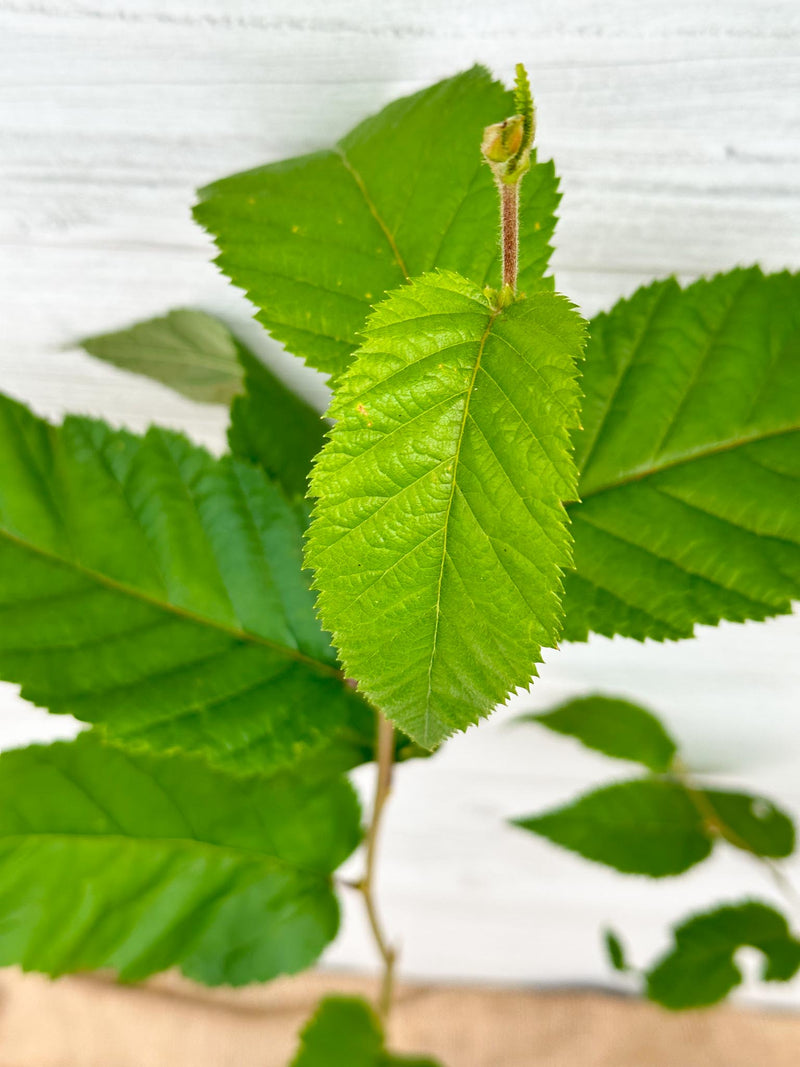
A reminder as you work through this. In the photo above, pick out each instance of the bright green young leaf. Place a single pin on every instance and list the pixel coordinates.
(751, 823)
(148, 587)
(138, 863)
(689, 459)
(317, 240)
(700, 970)
(272, 426)
(438, 535)
(187, 350)
(645, 826)
(614, 727)
(344, 1032)
(615, 952)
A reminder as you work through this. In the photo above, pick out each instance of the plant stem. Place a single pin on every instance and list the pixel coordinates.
(509, 215)
(383, 784)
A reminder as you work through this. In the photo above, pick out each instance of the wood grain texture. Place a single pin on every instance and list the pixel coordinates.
(675, 128)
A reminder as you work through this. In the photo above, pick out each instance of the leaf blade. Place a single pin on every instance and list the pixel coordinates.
(700, 970)
(111, 859)
(183, 618)
(689, 459)
(613, 726)
(344, 1032)
(339, 228)
(438, 500)
(643, 826)
(188, 350)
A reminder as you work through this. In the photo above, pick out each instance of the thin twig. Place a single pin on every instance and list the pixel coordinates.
(383, 785)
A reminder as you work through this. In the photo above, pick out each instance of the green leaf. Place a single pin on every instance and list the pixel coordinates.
(344, 1032)
(187, 350)
(751, 823)
(645, 826)
(700, 969)
(148, 587)
(317, 240)
(689, 459)
(615, 952)
(614, 727)
(138, 863)
(438, 535)
(273, 427)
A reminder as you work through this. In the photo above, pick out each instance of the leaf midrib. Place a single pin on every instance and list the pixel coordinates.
(186, 843)
(351, 170)
(457, 454)
(639, 475)
(180, 612)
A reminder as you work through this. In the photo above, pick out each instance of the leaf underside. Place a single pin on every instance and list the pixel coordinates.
(150, 588)
(191, 352)
(612, 726)
(438, 535)
(700, 970)
(138, 863)
(689, 459)
(344, 1032)
(316, 241)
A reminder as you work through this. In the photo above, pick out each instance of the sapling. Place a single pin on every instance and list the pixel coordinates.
(478, 492)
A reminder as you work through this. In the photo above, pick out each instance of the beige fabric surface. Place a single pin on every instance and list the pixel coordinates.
(90, 1022)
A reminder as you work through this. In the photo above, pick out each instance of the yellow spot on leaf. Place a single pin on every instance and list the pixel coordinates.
(537, 226)
(295, 229)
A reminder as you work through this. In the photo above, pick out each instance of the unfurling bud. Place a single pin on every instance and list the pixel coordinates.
(506, 146)
(503, 140)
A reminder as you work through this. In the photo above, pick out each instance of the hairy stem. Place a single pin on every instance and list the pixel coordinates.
(383, 784)
(509, 216)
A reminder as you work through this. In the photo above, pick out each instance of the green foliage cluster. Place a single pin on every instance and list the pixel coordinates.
(495, 475)
(661, 825)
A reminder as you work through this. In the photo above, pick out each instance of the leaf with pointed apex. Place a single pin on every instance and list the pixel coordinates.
(612, 726)
(317, 240)
(137, 863)
(689, 459)
(751, 823)
(645, 826)
(345, 1032)
(438, 534)
(150, 588)
(700, 969)
(189, 351)
(275, 428)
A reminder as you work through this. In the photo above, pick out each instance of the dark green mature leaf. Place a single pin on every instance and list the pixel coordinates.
(344, 1032)
(645, 826)
(138, 863)
(750, 822)
(438, 535)
(146, 586)
(198, 356)
(689, 459)
(272, 426)
(316, 241)
(612, 726)
(615, 952)
(187, 350)
(700, 969)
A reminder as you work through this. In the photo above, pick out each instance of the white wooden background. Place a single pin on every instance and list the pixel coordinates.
(675, 129)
